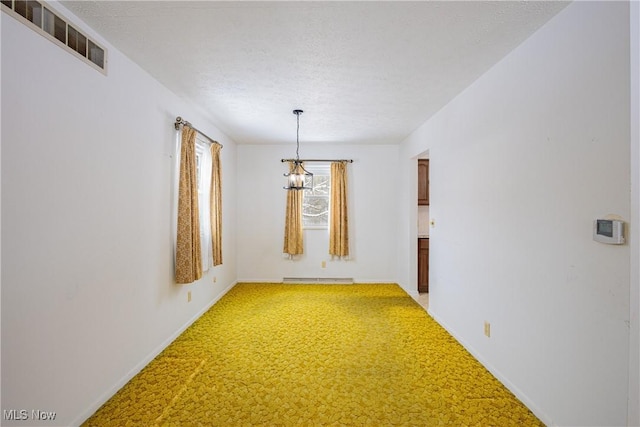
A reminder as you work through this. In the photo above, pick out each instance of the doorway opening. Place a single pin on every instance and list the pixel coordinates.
(423, 215)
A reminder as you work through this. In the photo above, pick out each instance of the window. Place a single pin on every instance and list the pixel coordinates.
(315, 202)
(196, 179)
(203, 177)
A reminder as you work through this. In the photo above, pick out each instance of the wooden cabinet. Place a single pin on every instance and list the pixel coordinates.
(423, 181)
(423, 265)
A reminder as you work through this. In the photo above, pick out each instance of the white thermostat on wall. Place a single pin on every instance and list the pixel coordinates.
(609, 231)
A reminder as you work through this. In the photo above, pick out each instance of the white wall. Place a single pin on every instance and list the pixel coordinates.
(521, 163)
(372, 198)
(88, 295)
(634, 238)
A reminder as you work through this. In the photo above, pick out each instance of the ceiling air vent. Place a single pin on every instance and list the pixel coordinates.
(47, 22)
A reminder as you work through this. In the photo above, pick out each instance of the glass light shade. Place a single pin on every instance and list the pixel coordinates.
(296, 179)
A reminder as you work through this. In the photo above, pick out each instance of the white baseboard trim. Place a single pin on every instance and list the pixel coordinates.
(319, 280)
(548, 421)
(138, 367)
(356, 281)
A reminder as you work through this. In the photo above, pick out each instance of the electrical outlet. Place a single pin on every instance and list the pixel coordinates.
(324, 264)
(188, 296)
(487, 328)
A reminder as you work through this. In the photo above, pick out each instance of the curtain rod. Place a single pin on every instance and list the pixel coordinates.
(318, 160)
(181, 121)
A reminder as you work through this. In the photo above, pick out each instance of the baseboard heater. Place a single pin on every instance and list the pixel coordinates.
(319, 280)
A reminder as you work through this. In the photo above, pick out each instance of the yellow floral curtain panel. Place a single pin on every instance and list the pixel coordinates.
(188, 256)
(339, 221)
(293, 244)
(216, 204)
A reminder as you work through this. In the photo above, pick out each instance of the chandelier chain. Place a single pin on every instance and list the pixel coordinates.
(297, 137)
(298, 174)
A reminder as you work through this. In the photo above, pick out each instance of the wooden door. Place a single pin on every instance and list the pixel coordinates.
(423, 181)
(423, 265)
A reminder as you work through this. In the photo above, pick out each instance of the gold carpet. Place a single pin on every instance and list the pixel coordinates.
(314, 355)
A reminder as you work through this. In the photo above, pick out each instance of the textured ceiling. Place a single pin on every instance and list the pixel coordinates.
(363, 72)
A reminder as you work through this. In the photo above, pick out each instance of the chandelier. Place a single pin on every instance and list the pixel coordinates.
(297, 176)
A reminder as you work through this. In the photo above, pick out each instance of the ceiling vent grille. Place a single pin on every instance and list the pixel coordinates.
(47, 22)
